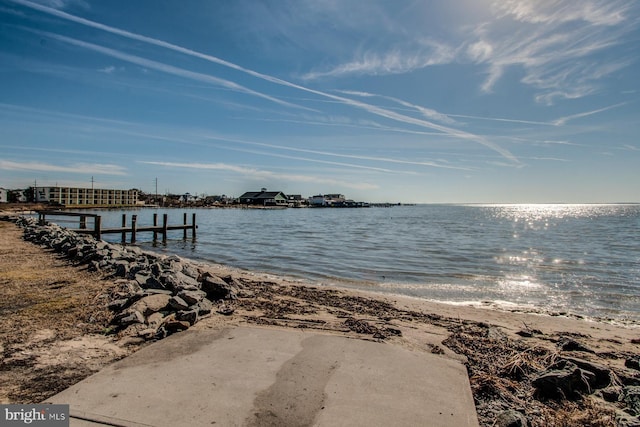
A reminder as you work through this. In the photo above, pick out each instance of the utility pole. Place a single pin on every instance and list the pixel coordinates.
(155, 199)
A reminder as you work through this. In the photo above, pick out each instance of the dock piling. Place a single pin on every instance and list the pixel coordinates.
(164, 228)
(184, 222)
(97, 227)
(124, 226)
(155, 224)
(134, 220)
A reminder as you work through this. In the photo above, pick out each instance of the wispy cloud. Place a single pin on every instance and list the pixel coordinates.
(194, 137)
(315, 160)
(166, 68)
(348, 156)
(318, 121)
(107, 70)
(84, 168)
(564, 120)
(557, 122)
(372, 109)
(555, 43)
(64, 4)
(11, 11)
(498, 119)
(265, 174)
(553, 159)
(428, 113)
(560, 46)
(398, 60)
(593, 12)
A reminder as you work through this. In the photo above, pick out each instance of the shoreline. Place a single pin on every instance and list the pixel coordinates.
(547, 297)
(374, 290)
(497, 305)
(454, 331)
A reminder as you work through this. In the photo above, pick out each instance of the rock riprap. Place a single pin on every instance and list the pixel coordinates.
(153, 295)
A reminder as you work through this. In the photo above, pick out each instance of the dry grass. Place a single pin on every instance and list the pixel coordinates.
(42, 292)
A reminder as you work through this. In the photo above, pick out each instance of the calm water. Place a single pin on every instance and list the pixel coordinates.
(582, 259)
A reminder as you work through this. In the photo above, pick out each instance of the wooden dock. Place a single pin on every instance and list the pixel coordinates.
(97, 231)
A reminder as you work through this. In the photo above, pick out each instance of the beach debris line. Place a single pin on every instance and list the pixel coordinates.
(570, 385)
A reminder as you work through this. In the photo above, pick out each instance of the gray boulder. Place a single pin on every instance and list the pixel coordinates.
(216, 288)
(151, 304)
(190, 316)
(177, 281)
(204, 307)
(563, 380)
(178, 303)
(192, 297)
(128, 317)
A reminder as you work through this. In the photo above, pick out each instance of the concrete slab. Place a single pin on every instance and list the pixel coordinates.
(268, 377)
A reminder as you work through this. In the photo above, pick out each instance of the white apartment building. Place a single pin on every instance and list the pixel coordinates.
(73, 196)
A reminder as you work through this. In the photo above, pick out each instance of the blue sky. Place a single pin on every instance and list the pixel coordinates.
(511, 101)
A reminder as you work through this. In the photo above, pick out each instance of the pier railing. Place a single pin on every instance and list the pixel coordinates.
(97, 231)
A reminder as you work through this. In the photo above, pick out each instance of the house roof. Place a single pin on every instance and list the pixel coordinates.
(261, 194)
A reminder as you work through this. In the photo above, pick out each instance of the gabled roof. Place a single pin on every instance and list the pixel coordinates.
(250, 195)
(261, 194)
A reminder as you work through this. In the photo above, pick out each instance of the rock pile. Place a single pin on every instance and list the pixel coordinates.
(153, 295)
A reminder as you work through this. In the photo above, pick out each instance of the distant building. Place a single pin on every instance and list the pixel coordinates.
(296, 200)
(264, 198)
(187, 198)
(318, 200)
(73, 196)
(326, 200)
(335, 198)
(4, 195)
(20, 196)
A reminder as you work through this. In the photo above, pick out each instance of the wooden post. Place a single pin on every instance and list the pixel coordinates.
(41, 218)
(184, 223)
(134, 219)
(164, 228)
(193, 230)
(155, 224)
(97, 227)
(124, 226)
(83, 222)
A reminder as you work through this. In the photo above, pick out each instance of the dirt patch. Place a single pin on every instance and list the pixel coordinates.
(52, 321)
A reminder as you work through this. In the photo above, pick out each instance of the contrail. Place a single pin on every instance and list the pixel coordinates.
(357, 104)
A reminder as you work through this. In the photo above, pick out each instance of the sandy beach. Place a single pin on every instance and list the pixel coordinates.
(55, 331)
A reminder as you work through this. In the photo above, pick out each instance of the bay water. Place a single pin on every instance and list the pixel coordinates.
(573, 259)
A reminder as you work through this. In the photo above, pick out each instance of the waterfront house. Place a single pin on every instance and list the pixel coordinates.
(335, 198)
(317, 201)
(296, 201)
(326, 200)
(264, 198)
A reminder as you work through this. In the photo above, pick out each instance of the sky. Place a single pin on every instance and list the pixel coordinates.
(463, 101)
